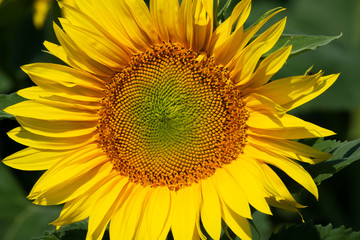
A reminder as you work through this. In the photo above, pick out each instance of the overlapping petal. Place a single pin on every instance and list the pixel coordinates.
(246, 170)
(156, 215)
(287, 127)
(185, 212)
(32, 159)
(292, 92)
(293, 169)
(211, 209)
(104, 208)
(52, 111)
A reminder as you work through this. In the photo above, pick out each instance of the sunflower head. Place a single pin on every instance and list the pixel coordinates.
(171, 118)
(159, 122)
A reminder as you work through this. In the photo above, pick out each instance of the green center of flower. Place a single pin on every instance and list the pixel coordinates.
(171, 118)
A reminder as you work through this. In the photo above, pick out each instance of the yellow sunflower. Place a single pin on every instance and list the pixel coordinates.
(41, 9)
(159, 122)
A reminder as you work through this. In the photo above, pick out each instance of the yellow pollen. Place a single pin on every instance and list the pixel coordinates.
(171, 118)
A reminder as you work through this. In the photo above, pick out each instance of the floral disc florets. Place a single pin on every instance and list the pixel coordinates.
(171, 118)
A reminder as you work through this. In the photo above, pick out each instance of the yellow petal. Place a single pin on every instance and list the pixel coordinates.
(62, 102)
(231, 194)
(79, 208)
(210, 209)
(164, 14)
(118, 218)
(50, 111)
(77, 157)
(57, 186)
(238, 224)
(278, 194)
(291, 149)
(168, 223)
(133, 212)
(41, 8)
(239, 15)
(29, 139)
(80, 18)
(78, 58)
(59, 52)
(225, 42)
(140, 13)
(290, 167)
(262, 104)
(72, 186)
(250, 32)
(32, 159)
(185, 212)
(156, 214)
(268, 67)
(59, 129)
(271, 35)
(67, 77)
(39, 93)
(248, 176)
(90, 20)
(186, 23)
(292, 92)
(256, 49)
(287, 126)
(75, 210)
(103, 209)
(105, 13)
(97, 47)
(208, 6)
(203, 24)
(242, 66)
(120, 14)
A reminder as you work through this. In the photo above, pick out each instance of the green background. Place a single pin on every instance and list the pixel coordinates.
(337, 109)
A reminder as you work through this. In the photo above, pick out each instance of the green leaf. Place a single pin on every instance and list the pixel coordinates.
(315, 232)
(73, 231)
(19, 218)
(343, 154)
(6, 83)
(220, 16)
(8, 100)
(301, 43)
(261, 226)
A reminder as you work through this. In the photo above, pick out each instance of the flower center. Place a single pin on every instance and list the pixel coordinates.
(171, 118)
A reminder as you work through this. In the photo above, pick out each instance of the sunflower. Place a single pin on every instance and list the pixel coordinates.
(41, 9)
(158, 122)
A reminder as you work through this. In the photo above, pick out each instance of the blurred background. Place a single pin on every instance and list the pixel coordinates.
(26, 24)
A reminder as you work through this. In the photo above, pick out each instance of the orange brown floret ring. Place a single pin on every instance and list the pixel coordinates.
(171, 118)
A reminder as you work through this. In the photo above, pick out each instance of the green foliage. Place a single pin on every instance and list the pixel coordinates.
(315, 232)
(343, 154)
(8, 100)
(305, 231)
(221, 15)
(5, 81)
(75, 231)
(19, 219)
(301, 43)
